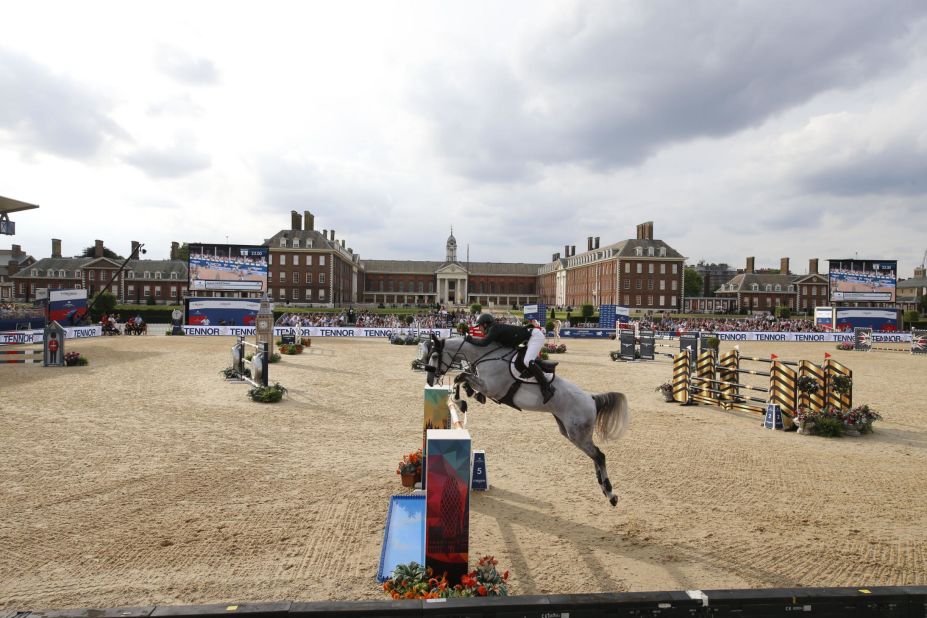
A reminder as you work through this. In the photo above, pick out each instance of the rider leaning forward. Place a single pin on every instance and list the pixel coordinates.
(513, 335)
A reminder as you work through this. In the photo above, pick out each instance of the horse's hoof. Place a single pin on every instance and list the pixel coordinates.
(614, 500)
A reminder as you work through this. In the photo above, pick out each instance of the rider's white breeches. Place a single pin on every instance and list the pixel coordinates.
(535, 343)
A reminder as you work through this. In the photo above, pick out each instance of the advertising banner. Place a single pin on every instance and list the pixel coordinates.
(25, 337)
(313, 331)
(221, 311)
(66, 306)
(228, 267)
(813, 337)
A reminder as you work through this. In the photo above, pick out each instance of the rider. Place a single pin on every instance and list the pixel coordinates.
(512, 335)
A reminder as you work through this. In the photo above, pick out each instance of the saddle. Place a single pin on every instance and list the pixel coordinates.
(518, 362)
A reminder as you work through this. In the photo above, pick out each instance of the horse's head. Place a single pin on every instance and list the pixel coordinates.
(440, 354)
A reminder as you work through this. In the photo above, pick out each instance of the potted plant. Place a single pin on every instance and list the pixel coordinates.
(74, 359)
(843, 384)
(808, 385)
(666, 389)
(410, 468)
(860, 419)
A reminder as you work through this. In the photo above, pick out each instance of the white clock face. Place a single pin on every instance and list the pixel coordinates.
(262, 323)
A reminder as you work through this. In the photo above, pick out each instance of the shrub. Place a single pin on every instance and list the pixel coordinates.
(291, 348)
(229, 373)
(476, 308)
(268, 394)
(588, 311)
(828, 427)
(713, 343)
(74, 359)
(846, 345)
(413, 581)
(273, 358)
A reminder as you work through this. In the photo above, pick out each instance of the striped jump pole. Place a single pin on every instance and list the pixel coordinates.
(783, 390)
(833, 371)
(20, 352)
(28, 361)
(812, 401)
(682, 383)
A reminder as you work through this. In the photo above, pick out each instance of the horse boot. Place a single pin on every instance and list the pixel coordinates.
(547, 391)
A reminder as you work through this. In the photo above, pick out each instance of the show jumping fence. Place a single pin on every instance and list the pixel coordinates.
(20, 338)
(257, 366)
(716, 381)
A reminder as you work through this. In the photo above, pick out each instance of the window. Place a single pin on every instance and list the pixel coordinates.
(662, 287)
(650, 253)
(281, 294)
(283, 260)
(650, 268)
(174, 276)
(282, 276)
(672, 301)
(158, 291)
(322, 281)
(322, 294)
(627, 267)
(158, 274)
(663, 301)
(130, 289)
(650, 301)
(769, 302)
(147, 292)
(627, 299)
(639, 251)
(675, 269)
(321, 260)
(77, 273)
(755, 287)
(147, 275)
(103, 274)
(662, 251)
(295, 277)
(421, 287)
(639, 284)
(308, 278)
(637, 300)
(640, 268)
(62, 274)
(662, 269)
(768, 287)
(173, 292)
(296, 257)
(295, 244)
(294, 293)
(130, 274)
(791, 288)
(91, 274)
(675, 284)
(627, 284)
(778, 287)
(283, 242)
(650, 284)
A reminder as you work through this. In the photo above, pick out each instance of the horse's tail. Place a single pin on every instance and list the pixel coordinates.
(611, 415)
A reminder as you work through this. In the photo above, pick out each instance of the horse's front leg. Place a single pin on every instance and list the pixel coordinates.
(472, 384)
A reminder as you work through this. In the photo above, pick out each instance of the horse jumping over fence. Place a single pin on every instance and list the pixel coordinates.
(579, 414)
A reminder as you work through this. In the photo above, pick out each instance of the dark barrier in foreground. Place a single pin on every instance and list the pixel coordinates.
(901, 602)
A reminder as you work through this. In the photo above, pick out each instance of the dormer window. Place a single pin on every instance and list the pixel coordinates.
(77, 273)
(296, 243)
(791, 288)
(35, 272)
(308, 244)
(147, 275)
(130, 274)
(158, 275)
(283, 242)
(662, 251)
(62, 274)
(769, 287)
(639, 251)
(778, 288)
(755, 287)
(173, 275)
(650, 251)
(51, 273)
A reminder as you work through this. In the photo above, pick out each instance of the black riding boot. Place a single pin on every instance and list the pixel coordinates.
(546, 389)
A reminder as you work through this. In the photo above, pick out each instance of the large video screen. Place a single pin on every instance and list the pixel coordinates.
(872, 280)
(228, 267)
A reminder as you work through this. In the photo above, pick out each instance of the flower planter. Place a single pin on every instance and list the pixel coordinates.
(408, 480)
(668, 397)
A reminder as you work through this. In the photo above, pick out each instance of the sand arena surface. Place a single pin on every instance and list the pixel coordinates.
(145, 479)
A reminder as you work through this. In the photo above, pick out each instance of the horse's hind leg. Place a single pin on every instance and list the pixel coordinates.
(581, 436)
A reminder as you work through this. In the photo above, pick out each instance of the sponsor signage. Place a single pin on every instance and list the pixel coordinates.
(21, 337)
(587, 333)
(312, 331)
(812, 337)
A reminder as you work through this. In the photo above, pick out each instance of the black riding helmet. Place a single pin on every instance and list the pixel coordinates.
(485, 321)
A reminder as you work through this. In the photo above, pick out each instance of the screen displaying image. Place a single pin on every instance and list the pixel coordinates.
(228, 267)
(872, 280)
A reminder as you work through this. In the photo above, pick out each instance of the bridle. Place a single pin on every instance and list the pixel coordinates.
(437, 373)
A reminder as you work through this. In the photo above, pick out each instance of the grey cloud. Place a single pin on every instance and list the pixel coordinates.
(47, 112)
(610, 84)
(178, 160)
(186, 68)
(330, 194)
(895, 171)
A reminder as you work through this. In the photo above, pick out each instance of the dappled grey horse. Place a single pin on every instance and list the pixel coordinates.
(578, 413)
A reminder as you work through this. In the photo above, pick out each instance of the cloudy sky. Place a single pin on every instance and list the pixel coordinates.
(768, 129)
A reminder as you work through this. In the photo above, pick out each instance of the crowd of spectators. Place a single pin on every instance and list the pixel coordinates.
(732, 324)
(17, 310)
(364, 319)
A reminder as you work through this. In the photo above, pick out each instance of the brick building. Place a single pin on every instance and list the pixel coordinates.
(143, 281)
(11, 262)
(763, 291)
(641, 273)
(309, 267)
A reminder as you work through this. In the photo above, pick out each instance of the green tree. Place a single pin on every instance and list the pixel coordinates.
(103, 302)
(910, 316)
(588, 311)
(783, 312)
(922, 305)
(692, 283)
(475, 308)
(183, 252)
(89, 251)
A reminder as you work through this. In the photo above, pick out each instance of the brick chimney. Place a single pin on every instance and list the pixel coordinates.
(175, 250)
(784, 266)
(589, 243)
(333, 235)
(648, 230)
(342, 243)
(749, 268)
(706, 281)
(98, 249)
(56, 248)
(572, 250)
(555, 257)
(596, 243)
(813, 266)
(135, 245)
(17, 250)
(296, 220)
(566, 251)
(308, 221)
(640, 231)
